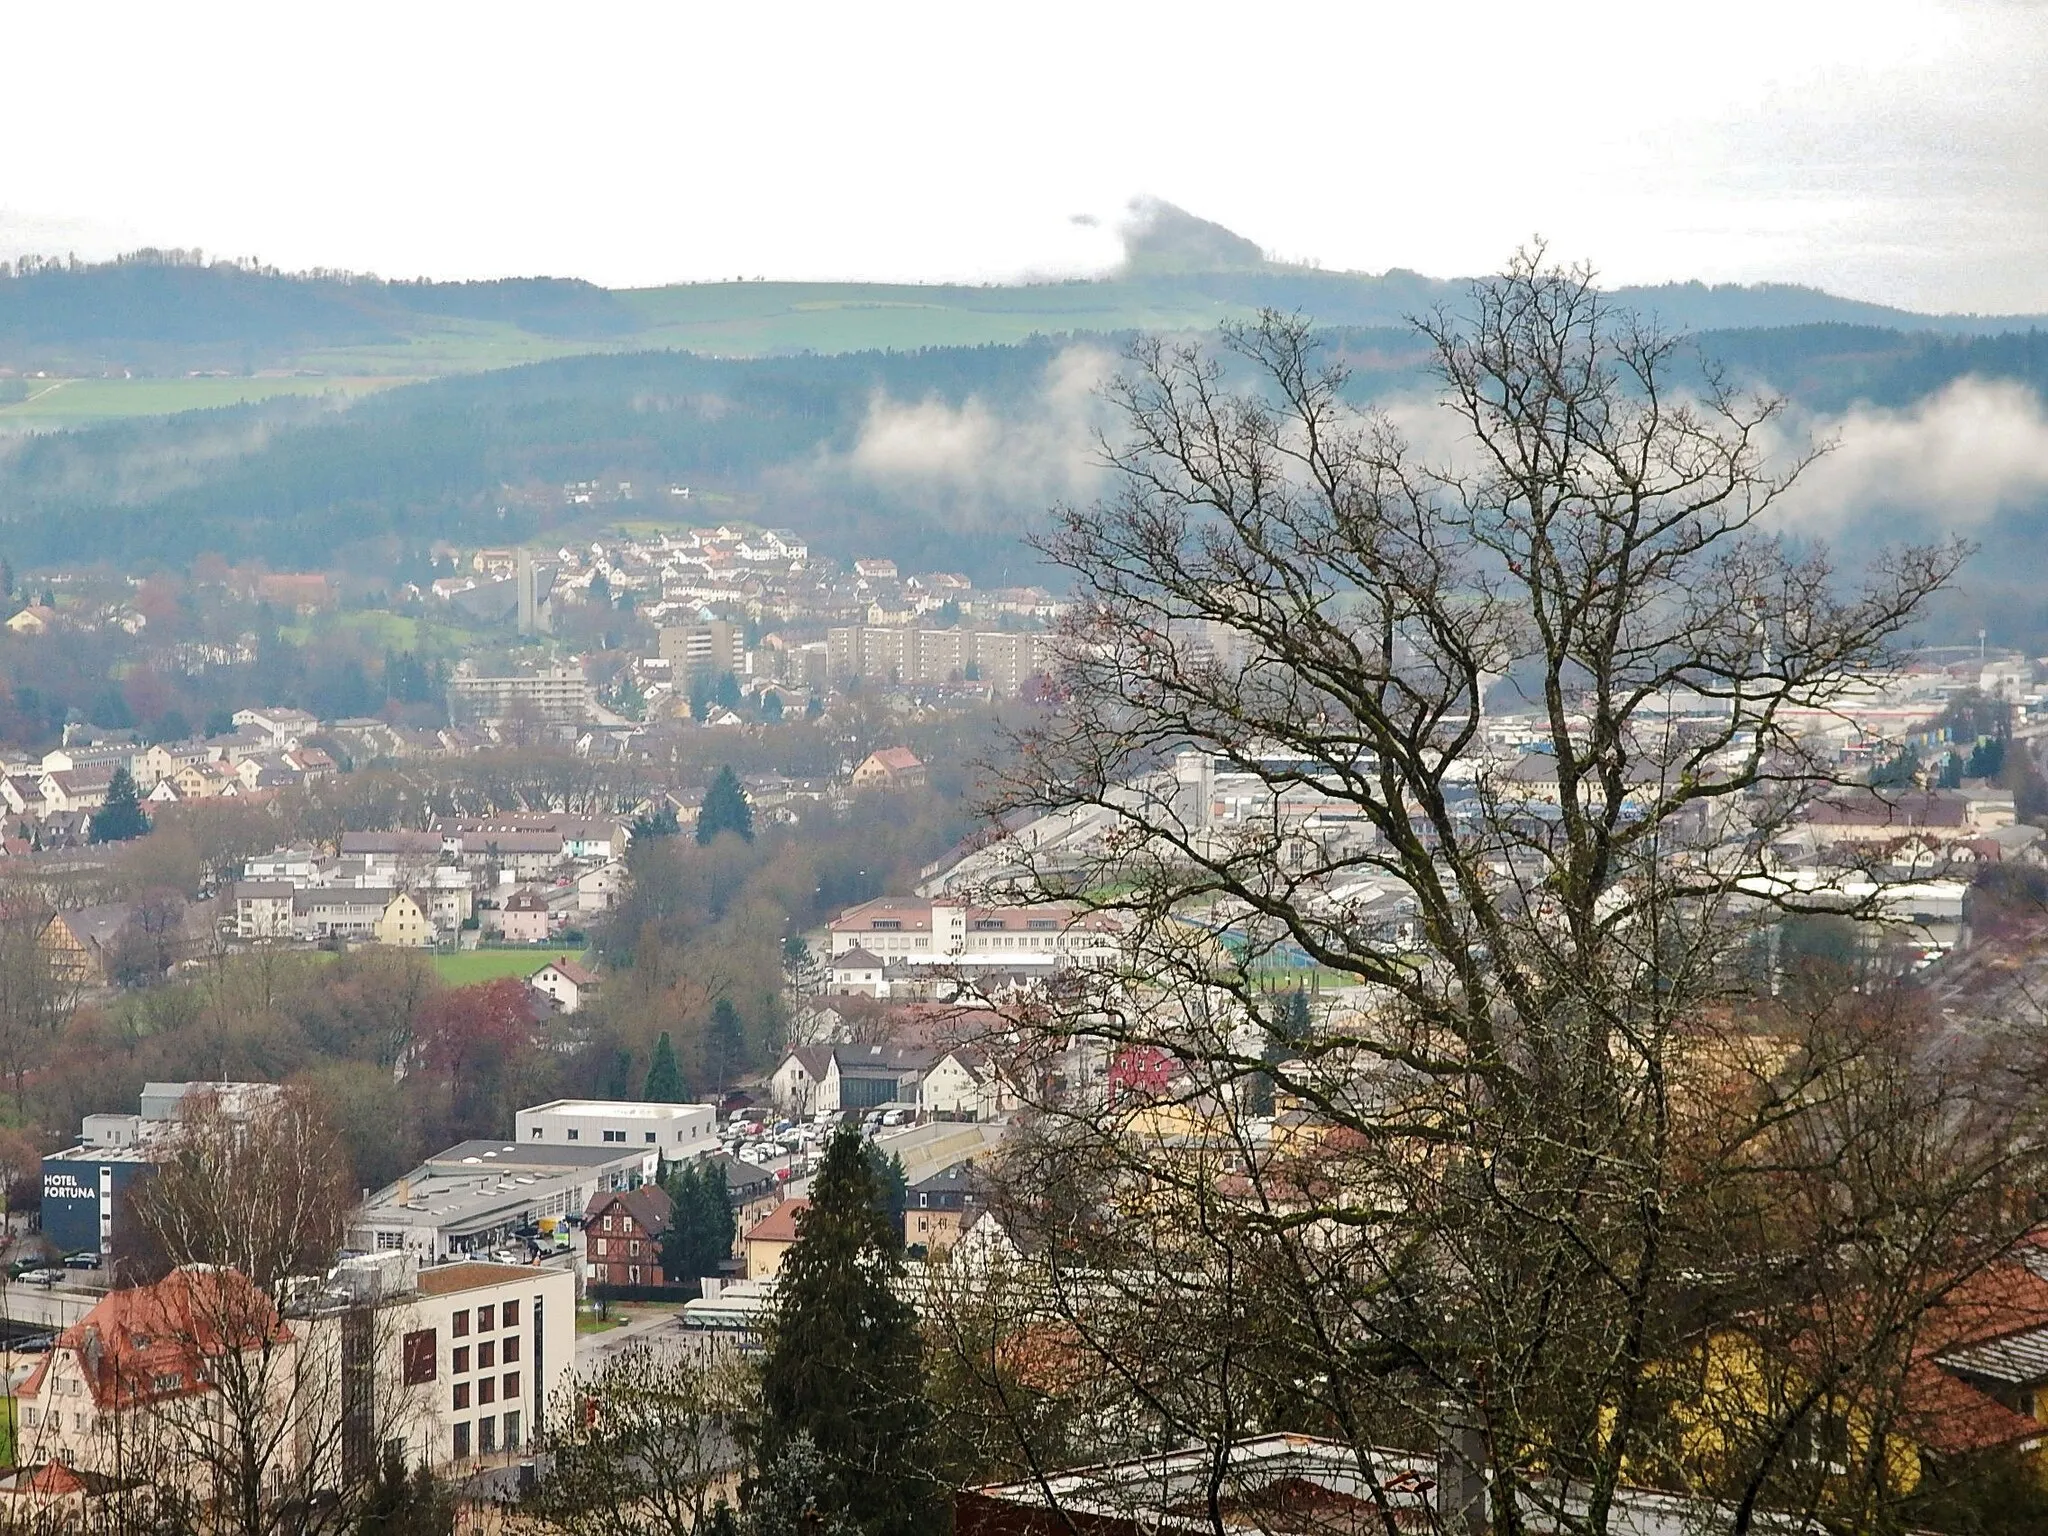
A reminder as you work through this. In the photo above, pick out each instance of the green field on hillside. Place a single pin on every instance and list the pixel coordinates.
(474, 965)
(78, 402)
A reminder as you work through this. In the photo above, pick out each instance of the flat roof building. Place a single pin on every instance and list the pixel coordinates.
(676, 1130)
(478, 1194)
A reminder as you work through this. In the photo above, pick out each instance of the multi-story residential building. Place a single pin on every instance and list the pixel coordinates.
(711, 645)
(442, 1365)
(1002, 659)
(556, 696)
(264, 909)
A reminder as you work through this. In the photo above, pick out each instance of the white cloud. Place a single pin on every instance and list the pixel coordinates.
(1954, 459)
(978, 458)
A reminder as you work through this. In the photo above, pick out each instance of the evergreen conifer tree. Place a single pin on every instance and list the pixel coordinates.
(844, 1365)
(121, 817)
(702, 1228)
(725, 808)
(664, 1078)
(727, 1043)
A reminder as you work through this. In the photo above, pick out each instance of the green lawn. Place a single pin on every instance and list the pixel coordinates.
(474, 965)
(64, 402)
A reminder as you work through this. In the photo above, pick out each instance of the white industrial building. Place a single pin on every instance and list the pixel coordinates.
(677, 1130)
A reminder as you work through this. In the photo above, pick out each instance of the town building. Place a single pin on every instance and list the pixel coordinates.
(478, 1195)
(768, 1241)
(89, 1189)
(441, 1365)
(622, 1236)
(891, 939)
(565, 983)
(709, 646)
(676, 1131)
(938, 1209)
(555, 696)
(890, 768)
(826, 1079)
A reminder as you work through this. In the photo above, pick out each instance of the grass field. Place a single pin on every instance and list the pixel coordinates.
(471, 966)
(73, 402)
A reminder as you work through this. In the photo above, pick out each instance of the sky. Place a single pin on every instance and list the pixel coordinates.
(1889, 151)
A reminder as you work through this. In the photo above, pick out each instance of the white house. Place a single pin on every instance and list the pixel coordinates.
(825, 1079)
(564, 982)
(964, 1084)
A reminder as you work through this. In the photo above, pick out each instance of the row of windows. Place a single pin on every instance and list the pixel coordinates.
(459, 1324)
(487, 1442)
(488, 1388)
(486, 1352)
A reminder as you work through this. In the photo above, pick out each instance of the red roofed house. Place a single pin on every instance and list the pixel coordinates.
(890, 768)
(142, 1370)
(568, 984)
(768, 1241)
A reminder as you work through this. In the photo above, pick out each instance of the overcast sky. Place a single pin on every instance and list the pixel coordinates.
(1894, 151)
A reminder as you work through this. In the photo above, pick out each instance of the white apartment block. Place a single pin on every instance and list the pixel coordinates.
(906, 930)
(1003, 659)
(558, 695)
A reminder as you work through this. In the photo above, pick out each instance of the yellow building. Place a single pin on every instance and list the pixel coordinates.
(404, 923)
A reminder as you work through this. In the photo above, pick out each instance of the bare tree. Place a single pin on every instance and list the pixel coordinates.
(261, 1188)
(1531, 1157)
(36, 994)
(646, 1445)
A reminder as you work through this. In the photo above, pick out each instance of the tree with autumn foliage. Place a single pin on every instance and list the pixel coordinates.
(475, 1046)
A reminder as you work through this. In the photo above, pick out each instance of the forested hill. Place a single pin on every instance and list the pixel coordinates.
(939, 457)
(168, 314)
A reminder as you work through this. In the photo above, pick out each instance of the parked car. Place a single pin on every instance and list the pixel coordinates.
(41, 1276)
(896, 1117)
(89, 1259)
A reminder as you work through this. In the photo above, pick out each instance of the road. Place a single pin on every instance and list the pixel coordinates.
(653, 1324)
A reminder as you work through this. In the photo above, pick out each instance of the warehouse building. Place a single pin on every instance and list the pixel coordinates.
(479, 1195)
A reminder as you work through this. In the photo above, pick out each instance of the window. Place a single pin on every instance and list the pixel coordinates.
(511, 1431)
(650, 1136)
(607, 1223)
(461, 1395)
(614, 1135)
(459, 1360)
(459, 1324)
(511, 1319)
(574, 1134)
(511, 1354)
(170, 1381)
(486, 1391)
(420, 1351)
(485, 1319)
(462, 1442)
(509, 1388)
(487, 1434)
(486, 1356)
(633, 1249)
(536, 1133)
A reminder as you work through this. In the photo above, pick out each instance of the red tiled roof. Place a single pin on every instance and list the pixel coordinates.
(151, 1342)
(780, 1224)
